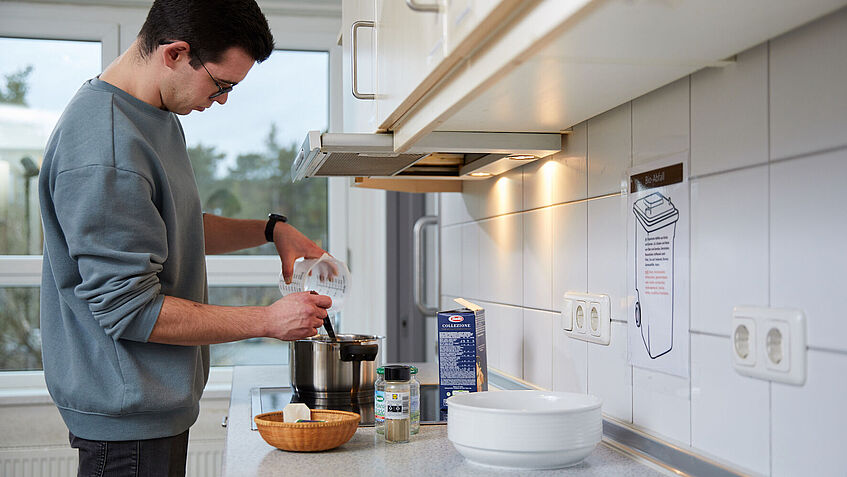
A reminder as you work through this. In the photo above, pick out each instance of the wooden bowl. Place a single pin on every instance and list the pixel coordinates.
(308, 436)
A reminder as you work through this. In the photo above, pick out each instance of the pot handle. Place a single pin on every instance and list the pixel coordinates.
(355, 352)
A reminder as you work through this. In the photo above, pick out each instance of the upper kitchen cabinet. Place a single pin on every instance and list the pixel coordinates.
(546, 65)
(453, 88)
(418, 42)
(409, 45)
(467, 22)
(359, 114)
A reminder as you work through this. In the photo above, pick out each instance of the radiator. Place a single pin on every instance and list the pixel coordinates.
(204, 460)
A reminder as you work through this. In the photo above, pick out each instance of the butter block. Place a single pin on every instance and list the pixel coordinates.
(296, 411)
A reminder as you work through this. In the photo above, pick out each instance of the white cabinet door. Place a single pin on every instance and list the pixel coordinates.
(463, 16)
(408, 46)
(359, 114)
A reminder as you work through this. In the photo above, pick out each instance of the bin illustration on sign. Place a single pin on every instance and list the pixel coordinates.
(656, 218)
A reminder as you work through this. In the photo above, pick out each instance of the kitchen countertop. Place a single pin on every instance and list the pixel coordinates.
(428, 453)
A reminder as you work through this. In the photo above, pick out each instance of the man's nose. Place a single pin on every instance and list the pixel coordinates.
(222, 98)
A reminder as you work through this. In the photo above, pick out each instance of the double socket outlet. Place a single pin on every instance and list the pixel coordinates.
(769, 343)
(587, 317)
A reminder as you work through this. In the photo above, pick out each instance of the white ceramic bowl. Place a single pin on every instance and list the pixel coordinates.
(524, 429)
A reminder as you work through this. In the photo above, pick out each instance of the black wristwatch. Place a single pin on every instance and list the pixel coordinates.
(269, 228)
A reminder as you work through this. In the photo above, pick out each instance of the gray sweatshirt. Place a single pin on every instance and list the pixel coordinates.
(123, 227)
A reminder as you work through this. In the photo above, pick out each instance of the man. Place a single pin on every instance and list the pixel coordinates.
(125, 327)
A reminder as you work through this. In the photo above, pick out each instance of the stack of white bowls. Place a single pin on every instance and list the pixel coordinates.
(524, 429)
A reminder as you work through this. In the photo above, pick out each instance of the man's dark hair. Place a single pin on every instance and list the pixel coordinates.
(210, 27)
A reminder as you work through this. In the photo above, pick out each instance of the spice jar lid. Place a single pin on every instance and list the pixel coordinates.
(397, 373)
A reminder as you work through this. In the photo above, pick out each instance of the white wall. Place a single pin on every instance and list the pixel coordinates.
(767, 139)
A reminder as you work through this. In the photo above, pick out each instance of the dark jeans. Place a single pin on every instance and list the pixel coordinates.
(147, 458)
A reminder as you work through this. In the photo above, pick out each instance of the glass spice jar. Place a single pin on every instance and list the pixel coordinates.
(415, 399)
(397, 397)
(379, 401)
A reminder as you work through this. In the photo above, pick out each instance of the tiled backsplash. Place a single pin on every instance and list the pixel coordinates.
(767, 139)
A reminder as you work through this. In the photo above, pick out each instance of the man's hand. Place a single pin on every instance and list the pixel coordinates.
(297, 316)
(291, 245)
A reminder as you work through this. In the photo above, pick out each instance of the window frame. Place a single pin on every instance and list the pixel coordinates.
(115, 28)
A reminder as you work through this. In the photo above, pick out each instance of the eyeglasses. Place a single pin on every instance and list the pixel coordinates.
(221, 89)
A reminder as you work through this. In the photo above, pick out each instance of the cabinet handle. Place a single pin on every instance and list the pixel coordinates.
(418, 281)
(354, 50)
(418, 7)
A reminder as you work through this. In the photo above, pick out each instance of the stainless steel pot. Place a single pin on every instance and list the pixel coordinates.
(323, 368)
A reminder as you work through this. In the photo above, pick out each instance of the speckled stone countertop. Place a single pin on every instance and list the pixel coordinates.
(428, 453)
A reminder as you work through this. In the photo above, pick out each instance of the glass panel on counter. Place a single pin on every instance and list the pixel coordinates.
(251, 351)
(20, 334)
(37, 79)
(242, 151)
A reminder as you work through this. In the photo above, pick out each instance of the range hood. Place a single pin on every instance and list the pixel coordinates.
(443, 155)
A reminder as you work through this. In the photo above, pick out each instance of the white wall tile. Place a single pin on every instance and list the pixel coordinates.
(808, 421)
(538, 347)
(570, 362)
(570, 250)
(501, 259)
(609, 150)
(728, 417)
(452, 272)
(453, 208)
(499, 195)
(661, 404)
(560, 178)
(610, 374)
(729, 246)
(537, 258)
(729, 114)
(607, 252)
(507, 338)
(469, 262)
(808, 101)
(660, 122)
(808, 256)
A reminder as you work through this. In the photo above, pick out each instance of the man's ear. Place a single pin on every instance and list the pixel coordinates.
(175, 53)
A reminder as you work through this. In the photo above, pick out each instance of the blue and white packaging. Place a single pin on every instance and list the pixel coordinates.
(462, 360)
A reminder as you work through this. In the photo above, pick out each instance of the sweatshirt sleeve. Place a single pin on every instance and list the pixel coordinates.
(117, 236)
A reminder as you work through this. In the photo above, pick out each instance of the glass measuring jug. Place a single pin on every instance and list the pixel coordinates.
(325, 275)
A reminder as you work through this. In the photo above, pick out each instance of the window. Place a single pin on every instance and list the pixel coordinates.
(242, 154)
(242, 151)
(37, 79)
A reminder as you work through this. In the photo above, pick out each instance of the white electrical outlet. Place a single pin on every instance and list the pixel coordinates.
(579, 317)
(744, 341)
(590, 317)
(769, 343)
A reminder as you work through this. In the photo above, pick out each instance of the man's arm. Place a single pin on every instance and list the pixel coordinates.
(223, 235)
(188, 323)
